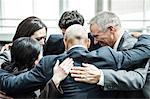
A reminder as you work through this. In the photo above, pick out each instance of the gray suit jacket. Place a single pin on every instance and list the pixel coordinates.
(127, 80)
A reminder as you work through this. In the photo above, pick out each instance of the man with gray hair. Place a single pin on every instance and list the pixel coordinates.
(107, 31)
(76, 35)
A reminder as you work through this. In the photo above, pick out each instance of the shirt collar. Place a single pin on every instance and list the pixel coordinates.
(118, 40)
(76, 46)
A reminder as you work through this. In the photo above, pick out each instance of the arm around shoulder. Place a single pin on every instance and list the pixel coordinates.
(125, 80)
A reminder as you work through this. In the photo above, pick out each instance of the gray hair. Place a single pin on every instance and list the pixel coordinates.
(76, 31)
(105, 19)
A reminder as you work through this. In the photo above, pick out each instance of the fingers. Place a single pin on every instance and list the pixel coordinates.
(86, 80)
(87, 65)
(57, 64)
(68, 67)
(81, 74)
(67, 64)
(77, 71)
(79, 68)
(136, 34)
(80, 79)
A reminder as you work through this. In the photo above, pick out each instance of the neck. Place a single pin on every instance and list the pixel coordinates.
(77, 44)
(71, 43)
(118, 34)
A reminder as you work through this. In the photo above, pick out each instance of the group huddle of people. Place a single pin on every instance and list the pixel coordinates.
(108, 62)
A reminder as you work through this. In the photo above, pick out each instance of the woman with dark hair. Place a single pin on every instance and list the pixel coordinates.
(30, 27)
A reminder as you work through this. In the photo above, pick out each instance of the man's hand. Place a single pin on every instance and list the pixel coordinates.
(61, 71)
(136, 34)
(87, 73)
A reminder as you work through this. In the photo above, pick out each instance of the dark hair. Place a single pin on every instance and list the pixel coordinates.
(24, 52)
(28, 26)
(69, 18)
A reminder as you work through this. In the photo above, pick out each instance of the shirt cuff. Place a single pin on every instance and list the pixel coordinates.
(58, 89)
(101, 79)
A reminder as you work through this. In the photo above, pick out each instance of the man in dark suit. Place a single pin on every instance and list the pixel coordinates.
(77, 42)
(55, 44)
(106, 29)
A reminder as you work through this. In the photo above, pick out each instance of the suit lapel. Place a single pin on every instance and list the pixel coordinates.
(120, 44)
(127, 41)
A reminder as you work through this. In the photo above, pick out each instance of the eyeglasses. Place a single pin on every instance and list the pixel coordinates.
(40, 38)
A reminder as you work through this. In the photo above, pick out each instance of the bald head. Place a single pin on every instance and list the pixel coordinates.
(76, 35)
(76, 32)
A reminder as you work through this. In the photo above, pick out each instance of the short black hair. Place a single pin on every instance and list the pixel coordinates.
(69, 18)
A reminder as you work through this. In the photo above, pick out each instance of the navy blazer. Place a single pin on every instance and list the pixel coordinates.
(55, 45)
(104, 57)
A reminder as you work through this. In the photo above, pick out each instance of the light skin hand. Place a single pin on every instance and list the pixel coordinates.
(88, 73)
(61, 70)
(136, 34)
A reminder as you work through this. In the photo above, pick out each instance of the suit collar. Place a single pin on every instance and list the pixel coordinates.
(76, 48)
(118, 41)
(122, 40)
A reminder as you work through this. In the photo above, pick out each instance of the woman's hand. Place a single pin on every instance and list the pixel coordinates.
(62, 70)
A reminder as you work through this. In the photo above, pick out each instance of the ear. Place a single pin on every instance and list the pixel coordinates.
(65, 43)
(112, 29)
(89, 43)
(36, 62)
(63, 31)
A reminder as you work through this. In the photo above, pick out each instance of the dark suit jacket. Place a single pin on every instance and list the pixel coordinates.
(104, 57)
(50, 91)
(55, 45)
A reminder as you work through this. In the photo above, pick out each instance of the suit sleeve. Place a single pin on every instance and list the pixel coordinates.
(125, 80)
(50, 91)
(133, 58)
(28, 81)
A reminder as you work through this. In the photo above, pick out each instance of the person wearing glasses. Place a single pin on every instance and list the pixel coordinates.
(30, 27)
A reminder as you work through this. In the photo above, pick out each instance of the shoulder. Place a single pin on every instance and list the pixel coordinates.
(129, 41)
(54, 45)
(55, 37)
(48, 59)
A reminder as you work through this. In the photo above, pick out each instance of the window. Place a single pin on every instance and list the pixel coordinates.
(133, 13)
(12, 12)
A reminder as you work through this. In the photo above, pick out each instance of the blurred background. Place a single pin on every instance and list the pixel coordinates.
(134, 14)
